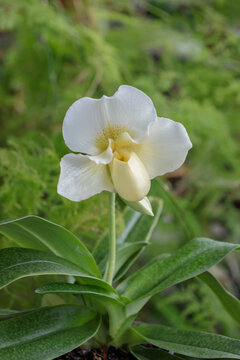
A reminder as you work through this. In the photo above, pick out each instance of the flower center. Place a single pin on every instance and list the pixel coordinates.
(121, 142)
(122, 147)
(110, 132)
(129, 175)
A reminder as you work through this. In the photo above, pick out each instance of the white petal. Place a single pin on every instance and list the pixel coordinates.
(129, 107)
(83, 120)
(81, 178)
(104, 158)
(166, 147)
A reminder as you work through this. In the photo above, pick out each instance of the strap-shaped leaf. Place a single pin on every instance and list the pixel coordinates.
(229, 301)
(136, 235)
(9, 313)
(37, 233)
(142, 228)
(78, 289)
(187, 220)
(47, 332)
(124, 252)
(191, 260)
(126, 255)
(147, 353)
(197, 344)
(130, 218)
(6, 312)
(16, 263)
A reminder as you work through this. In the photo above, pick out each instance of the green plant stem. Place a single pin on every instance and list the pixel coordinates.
(112, 238)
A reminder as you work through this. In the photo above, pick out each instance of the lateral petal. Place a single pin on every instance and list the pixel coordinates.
(104, 158)
(166, 147)
(81, 178)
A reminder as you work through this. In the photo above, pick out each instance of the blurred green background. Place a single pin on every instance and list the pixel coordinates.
(185, 54)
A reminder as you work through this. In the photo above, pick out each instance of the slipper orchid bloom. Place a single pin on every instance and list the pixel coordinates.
(121, 146)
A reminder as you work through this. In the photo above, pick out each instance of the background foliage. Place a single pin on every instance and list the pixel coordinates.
(185, 55)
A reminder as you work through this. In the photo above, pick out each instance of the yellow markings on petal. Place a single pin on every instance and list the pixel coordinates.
(121, 154)
(130, 178)
(110, 132)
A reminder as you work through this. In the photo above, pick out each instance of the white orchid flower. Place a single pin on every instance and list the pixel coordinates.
(121, 145)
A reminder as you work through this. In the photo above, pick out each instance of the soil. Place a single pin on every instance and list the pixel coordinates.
(82, 353)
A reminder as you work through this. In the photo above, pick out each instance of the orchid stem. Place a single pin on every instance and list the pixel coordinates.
(112, 238)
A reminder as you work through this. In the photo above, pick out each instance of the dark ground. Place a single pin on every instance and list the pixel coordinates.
(82, 353)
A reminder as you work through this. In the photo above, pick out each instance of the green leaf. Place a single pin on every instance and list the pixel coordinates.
(188, 222)
(197, 344)
(77, 289)
(9, 313)
(191, 260)
(123, 324)
(47, 332)
(136, 235)
(36, 233)
(130, 218)
(6, 312)
(126, 255)
(229, 301)
(141, 228)
(16, 263)
(147, 353)
(101, 249)
(52, 300)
